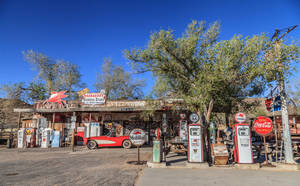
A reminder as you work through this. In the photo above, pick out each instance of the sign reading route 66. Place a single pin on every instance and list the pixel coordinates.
(194, 117)
(137, 137)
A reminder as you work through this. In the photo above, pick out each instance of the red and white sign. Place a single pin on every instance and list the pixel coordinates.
(240, 117)
(137, 137)
(263, 125)
(56, 97)
(94, 98)
(182, 115)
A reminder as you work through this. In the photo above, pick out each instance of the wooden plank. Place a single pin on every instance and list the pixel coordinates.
(23, 110)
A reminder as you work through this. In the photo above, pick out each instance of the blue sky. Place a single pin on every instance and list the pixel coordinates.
(85, 32)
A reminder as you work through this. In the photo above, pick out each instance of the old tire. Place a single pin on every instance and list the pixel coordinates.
(126, 144)
(91, 145)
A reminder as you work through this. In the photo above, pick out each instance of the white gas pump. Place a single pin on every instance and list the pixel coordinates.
(242, 142)
(21, 138)
(195, 144)
(45, 138)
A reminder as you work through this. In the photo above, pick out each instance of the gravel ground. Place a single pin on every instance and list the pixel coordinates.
(105, 166)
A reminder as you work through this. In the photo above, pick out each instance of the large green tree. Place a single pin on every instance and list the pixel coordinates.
(201, 70)
(118, 83)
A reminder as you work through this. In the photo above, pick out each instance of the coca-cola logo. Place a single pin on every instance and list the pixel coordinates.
(263, 125)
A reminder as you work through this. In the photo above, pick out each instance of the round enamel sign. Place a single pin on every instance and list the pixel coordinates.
(194, 117)
(137, 137)
(240, 117)
(263, 125)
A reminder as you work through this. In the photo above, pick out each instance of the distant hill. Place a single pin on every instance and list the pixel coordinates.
(7, 116)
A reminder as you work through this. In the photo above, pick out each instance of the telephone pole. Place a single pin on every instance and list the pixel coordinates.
(288, 151)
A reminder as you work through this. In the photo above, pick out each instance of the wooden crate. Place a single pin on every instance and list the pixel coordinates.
(220, 154)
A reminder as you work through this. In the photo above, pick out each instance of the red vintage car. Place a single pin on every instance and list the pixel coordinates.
(107, 141)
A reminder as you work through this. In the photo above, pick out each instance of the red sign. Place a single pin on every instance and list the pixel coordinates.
(57, 97)
(268, 103)
(263, 125)
(240, 117)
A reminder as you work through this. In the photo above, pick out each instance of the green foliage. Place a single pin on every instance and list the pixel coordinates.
(118, 83)
(34, 91)
(201, 70)
(280, 61)
(68, 78)
(13, 90)
(58, 75)
(45, 66)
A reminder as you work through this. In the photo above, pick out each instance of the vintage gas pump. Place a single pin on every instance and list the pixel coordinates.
(195, 143)
(242, 142)
(183, 131)
(21, 138)
(45, 138)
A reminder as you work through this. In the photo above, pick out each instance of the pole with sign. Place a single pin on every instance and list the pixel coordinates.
(263, 127)
(137, 138)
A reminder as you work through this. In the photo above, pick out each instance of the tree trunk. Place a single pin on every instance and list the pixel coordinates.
(206, 132)
(227, 119)
(50, 86)
(288, 151)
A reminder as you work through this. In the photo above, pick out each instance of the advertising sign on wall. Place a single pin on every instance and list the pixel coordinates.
(94, 98)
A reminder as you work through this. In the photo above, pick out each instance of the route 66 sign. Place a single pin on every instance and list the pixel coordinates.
(194, 117)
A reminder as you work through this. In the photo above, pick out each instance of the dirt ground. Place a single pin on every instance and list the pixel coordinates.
(105, 166)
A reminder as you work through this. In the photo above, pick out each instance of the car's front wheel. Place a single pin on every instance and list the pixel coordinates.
(126, 144)
(91, 145)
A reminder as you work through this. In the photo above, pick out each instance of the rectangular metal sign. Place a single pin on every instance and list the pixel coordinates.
(93, 98)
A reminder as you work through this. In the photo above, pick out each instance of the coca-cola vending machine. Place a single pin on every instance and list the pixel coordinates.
(242, 143)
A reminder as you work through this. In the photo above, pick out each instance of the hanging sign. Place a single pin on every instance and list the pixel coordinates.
(94, 98)
(240, 117)
(263, 126)
(268, 103)
(194, 117)
(137, 137)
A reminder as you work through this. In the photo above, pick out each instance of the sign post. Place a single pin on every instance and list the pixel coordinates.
(137, 138)
(263, 127)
